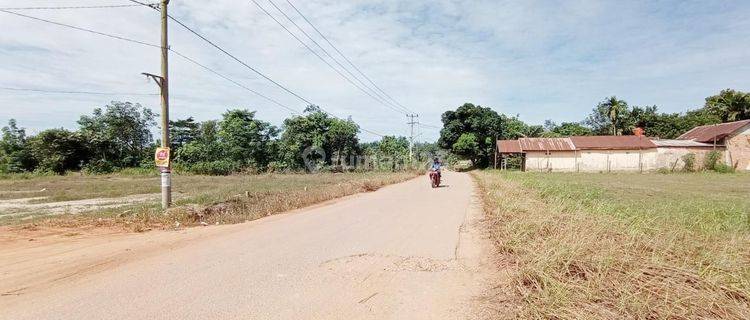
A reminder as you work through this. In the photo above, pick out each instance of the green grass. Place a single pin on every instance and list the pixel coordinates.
(601, 246)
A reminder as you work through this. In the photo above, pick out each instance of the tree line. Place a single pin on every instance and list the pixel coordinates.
(471, 130)
(120, 136)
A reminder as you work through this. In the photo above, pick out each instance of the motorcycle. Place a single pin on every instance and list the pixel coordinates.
(435, 178)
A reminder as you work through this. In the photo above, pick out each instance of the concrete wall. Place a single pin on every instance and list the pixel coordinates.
(592, 161)
(556, 161)
(738, 149)
(671, 157)
(617, 160)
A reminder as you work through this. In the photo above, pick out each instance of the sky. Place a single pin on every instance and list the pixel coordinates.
(536, 59)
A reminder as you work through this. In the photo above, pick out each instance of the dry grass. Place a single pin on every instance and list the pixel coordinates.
(199, 199)
(624, 246)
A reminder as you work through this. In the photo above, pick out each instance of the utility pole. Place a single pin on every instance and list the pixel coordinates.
(163, 82)
(411, 133)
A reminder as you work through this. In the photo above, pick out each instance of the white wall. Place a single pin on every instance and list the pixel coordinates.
(556, 161)
(617, 160)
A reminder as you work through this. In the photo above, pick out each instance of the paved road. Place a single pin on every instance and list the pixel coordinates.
(404, 252)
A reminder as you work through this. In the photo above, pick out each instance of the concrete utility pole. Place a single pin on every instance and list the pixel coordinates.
(411, 133)
(163, 82)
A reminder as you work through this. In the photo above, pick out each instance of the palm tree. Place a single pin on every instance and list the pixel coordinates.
(615, 108)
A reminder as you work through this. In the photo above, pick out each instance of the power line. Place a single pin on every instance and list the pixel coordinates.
(182, 56)
(79, 92)
(318, 55)
(344, 56)
(248, 66)
(158, 46)
(380, 99)
(72, 7)
(82, 29)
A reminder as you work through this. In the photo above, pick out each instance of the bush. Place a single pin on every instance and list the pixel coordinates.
(723, 168)
(689, 160)
(712, 158)
(214, 168)
(98, 166)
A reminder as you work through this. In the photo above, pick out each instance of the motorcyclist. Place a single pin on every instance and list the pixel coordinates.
(436, 166)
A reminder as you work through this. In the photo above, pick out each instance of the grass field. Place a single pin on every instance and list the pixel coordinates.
(606, 246)
(133, 199)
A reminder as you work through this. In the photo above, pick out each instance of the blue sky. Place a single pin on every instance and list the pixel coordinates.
(538, 59)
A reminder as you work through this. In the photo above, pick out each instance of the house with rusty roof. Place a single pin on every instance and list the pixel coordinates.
(629, 153)
(581, 153)
(733, 137)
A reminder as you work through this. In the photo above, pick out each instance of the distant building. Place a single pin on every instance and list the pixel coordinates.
(734, 137)
(629, 153)
(582, 154)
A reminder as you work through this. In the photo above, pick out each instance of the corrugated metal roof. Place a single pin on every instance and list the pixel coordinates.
(612, 143)
(546, 144)
(681, 143)
(509, 146)
(710, 132)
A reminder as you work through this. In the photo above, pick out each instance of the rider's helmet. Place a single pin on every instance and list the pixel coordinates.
(436, 160)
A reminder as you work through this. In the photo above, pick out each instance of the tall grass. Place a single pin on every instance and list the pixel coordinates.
(592, 246)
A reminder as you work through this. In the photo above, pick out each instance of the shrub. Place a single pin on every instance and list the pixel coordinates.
(723, 168)
(98, 166)
(689, 160)
(712, 158)
(214, 168)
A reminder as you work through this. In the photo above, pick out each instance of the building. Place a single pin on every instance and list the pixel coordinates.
(581, 154)
(670, 154)
(734, 137)
(629, 153)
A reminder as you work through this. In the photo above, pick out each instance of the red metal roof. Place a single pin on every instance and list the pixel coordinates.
(546, 144)
(612, 143)
(509, 146)
(716, 131)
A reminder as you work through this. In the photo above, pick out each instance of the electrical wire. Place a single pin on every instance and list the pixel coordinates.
(345, 57)
(72, 7)
(79, 92)
(184, 57)
(248, 66)
(318, 55)
(380, 98)
(82, 29)
(191, 60)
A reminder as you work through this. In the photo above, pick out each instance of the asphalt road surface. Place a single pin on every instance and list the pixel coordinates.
(406, 251)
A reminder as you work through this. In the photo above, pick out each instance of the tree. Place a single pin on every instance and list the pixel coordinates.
(58, 150)
(119, 135)
(316, 130)
(391, 151)
(245, 140)
(569, 129)
(342, 135)
(14, 154)
(467, 146)
(608, 117)
(484, 123)
(182, 131)
(729, 105)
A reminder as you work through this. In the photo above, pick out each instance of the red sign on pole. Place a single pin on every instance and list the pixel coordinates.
(161, 157)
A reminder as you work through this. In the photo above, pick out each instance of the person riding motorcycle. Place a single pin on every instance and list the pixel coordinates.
(436, 166)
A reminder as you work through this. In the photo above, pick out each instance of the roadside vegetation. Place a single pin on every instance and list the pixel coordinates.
(609, 246)
(198, 199)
